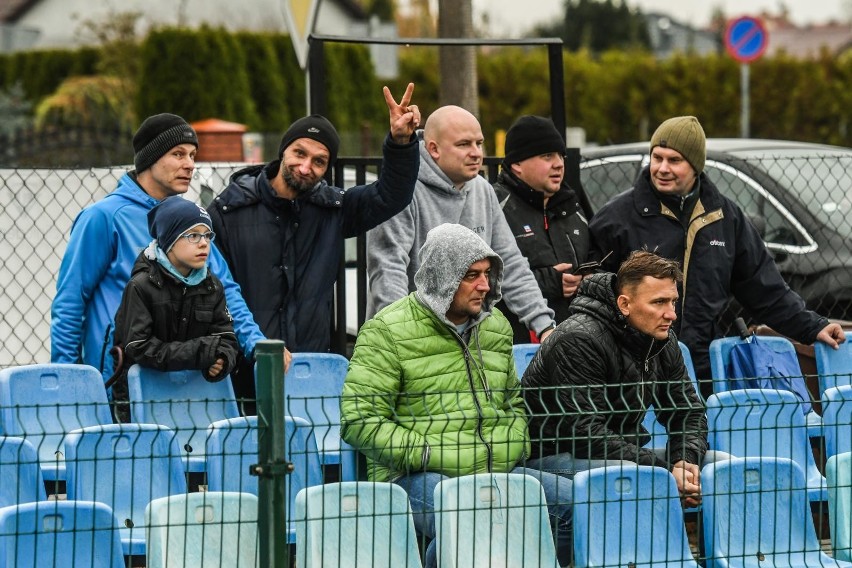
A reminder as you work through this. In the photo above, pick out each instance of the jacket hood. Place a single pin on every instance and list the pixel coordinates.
(597, 298)
(128, 188)
(251, 185)
(445, 257)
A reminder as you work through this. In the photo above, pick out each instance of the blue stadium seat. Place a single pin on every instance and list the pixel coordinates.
(834, 366)
(204, 530)
(756, 513)
(838, 472)
(764, 423)
(232, 448)
(20, 475)
(493, 520)
(354, 524)
(349, 463)
(720, 356)
(183, 401)
(313, 385)
(523, 353)
(44, 402)
(690, 367)
(125, 466)
(659, 436)
(629, 516)
(837, 419)
(59, 533)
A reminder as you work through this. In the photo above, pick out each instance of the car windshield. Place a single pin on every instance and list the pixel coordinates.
(821, 179)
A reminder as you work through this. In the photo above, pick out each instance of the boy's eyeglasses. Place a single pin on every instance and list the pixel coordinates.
(195, 238)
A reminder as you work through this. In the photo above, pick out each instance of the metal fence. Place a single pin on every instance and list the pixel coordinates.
(801, 202)
(79, 490)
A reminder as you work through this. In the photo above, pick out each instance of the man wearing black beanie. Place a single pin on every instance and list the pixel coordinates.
(281, 227)
(106, 238)
(543, 213)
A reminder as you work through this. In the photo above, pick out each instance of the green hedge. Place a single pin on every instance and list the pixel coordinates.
(616, 97)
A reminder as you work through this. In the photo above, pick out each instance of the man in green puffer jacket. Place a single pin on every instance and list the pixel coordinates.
(432, 392)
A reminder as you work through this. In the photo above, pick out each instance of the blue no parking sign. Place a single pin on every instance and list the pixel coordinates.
(746, 39)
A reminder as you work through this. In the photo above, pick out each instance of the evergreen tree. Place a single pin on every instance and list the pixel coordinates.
(599, 25)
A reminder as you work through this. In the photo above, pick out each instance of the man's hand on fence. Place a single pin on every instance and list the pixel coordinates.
(404, 117)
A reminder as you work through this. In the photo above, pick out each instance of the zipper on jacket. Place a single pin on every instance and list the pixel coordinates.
(479, 412)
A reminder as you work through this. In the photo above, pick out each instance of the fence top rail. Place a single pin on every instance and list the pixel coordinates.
(437, 41)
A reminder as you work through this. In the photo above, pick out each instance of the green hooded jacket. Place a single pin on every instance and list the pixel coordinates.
(421, 397)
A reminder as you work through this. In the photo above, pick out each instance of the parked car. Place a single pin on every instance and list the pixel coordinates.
(798, 195)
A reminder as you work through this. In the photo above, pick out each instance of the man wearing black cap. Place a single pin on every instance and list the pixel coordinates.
(675, 210)
(543, 213)
(281, 227)
(107, 237)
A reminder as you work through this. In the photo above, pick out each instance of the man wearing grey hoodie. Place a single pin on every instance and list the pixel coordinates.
(432, 392)
(449, 189)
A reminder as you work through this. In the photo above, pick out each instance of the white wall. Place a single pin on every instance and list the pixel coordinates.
(59, 20)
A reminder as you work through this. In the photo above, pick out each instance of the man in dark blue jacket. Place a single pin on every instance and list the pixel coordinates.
(674, 210)
(281, 227)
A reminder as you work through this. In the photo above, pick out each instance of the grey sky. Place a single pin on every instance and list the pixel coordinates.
(511, 18)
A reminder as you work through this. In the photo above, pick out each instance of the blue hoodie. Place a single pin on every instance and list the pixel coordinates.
(106, 238)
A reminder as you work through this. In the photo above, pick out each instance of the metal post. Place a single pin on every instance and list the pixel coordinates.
(271, 467)
(316, 76)
(557, 87)
(745, 100)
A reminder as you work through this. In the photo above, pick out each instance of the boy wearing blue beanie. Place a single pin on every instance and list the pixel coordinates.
(173, 314)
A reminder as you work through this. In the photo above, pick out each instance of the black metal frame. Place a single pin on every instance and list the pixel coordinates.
(317, 103)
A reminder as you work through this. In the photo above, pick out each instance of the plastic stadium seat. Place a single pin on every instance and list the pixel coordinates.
(204, 530)
(354, 524)
(312, 386)
(523, 354)
(492, 520)
(232, 448)
(756, 513)
(763, 423)
(350, 463)
(59, 533)
(659, 436)
(185, 402)
(837, 419)
(834, 366)
(125, 466)
(42, 403)
(838, 471)
(20, 475)
(720, 356)
(629, 516)
(690, 367)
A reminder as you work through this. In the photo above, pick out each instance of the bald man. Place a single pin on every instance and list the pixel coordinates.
(449, 189)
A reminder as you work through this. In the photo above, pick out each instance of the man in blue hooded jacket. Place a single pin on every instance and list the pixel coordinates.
(106, 238)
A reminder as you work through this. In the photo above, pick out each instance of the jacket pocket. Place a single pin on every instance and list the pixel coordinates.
(205, 316)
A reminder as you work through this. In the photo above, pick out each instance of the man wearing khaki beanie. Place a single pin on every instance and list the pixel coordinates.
(675, 210)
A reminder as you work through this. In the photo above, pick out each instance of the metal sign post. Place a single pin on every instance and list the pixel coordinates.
(745, 40)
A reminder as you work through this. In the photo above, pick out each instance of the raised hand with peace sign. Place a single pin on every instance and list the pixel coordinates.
(404, 116)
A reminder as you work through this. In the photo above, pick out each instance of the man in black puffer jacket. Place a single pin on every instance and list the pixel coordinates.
(544, 214)
(589, 386)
